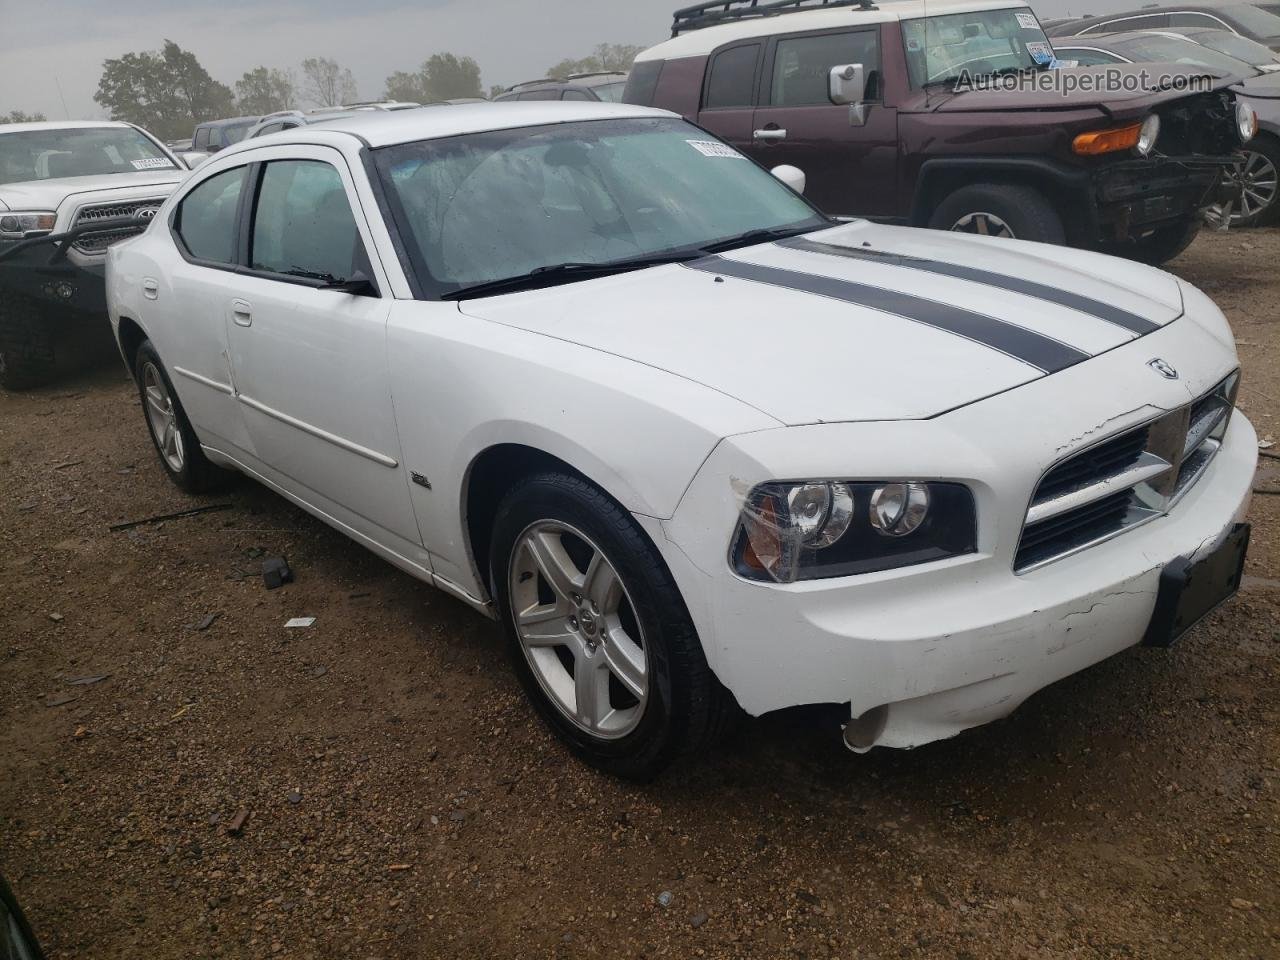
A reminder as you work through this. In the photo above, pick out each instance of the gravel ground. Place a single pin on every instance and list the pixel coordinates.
(403, 801)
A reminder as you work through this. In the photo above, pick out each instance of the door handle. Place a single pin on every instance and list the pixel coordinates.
(150, 288)
(241, 313)
(770, 134)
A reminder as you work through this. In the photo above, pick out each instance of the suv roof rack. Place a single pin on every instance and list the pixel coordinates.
(530, 83)
(597, 73)
(724, 11)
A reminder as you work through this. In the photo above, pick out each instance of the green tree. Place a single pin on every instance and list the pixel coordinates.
(496, 90)
(327, 84)
(605, 57)
(167, 92)
(443, 76)
(261, 91)
(18, 116)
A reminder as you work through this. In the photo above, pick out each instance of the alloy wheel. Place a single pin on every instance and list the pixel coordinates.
(162, 417)
(984, 224)
(578, 629)
(1257, 179)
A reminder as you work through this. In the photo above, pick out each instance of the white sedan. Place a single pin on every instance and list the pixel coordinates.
(697, 447)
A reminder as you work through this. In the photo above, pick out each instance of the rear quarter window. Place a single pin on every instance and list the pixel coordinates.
(206, 217)
(642, 84)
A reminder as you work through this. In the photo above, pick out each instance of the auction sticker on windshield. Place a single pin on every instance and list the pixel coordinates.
(152, 163)
(709, 148)
(1028, 21)
(1040, 52)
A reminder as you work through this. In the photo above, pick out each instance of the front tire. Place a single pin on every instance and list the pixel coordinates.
(1160, 246)
(1259, 178)
(1012, 211)
(170, 430)
(27, 357)
(600, 635)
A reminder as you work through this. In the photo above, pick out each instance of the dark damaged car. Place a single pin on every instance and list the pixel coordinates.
(903, 113)
(67, 192)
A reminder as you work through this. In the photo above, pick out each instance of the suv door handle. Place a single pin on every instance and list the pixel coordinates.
(772, 133)
(150, 288)
(241, 313)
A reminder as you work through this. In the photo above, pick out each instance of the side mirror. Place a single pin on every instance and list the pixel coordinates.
(793, 177)
(192, 158)
(357, 285)
(847, 85)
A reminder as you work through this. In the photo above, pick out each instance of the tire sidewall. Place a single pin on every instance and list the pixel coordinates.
(641, 570)
(185, 477)
(1028, 213)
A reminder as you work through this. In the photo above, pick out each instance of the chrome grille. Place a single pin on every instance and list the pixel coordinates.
(104, 212)
(1125, 480)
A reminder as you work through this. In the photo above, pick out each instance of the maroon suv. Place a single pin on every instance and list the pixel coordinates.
(952, 114)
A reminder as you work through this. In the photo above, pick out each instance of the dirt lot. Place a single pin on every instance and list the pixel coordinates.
(405, 802)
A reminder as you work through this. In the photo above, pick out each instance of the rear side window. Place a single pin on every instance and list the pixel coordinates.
(270, 128)
(206, 219)
(577, 95)
(303, 225)
(201, 141)
(733, 78)
(642, 84)
(802, 66)
(541, 95)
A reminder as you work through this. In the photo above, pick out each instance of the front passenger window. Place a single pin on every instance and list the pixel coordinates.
(802, 66)
(206, 220)
(303, 225)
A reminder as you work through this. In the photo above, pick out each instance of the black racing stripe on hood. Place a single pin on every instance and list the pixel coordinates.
(1064, 298)
(1030, 347)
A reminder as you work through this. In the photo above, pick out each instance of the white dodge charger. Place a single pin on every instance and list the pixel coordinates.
(695, 445)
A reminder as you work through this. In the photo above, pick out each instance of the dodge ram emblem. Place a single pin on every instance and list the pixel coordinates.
(1164, 368)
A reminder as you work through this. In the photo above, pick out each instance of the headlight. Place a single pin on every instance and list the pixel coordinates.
(827, 528)
(19, 226)
(1246, 121)
(1148, 135)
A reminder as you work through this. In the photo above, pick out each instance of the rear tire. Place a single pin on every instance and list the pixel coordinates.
(170, 430)
(27, 357)
(1004, 210)
(665, 702)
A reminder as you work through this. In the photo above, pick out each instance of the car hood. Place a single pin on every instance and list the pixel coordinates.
(50, 194)
(858, 322)
(1135, 91)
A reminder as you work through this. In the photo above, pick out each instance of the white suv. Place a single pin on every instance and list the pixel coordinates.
(600, 376)
(87, 178)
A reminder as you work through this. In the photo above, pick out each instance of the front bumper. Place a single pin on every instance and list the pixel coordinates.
(1137, 196)
(932, 650)
(74, 283)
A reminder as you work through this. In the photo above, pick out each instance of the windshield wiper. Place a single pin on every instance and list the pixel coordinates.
(311, 275)
(752, 237)
(555, 273)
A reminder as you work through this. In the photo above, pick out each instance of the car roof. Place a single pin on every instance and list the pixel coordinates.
(702, 41)
(378, 128)
(63, 125)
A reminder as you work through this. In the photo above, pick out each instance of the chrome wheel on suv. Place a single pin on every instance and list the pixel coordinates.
(1258, 184)
(984, 224)
(578, 629)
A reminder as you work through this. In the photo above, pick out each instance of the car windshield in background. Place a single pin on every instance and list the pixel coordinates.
(1242, 48)
(235, 132)
(487, 207)
(77, 152)
(941, 49)
(1253, 20)
(1153, 47)
(610, 92)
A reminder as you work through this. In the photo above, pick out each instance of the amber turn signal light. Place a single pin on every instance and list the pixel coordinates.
(1107, 141)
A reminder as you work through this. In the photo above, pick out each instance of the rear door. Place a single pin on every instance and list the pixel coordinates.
(851, 170)
(729, 94)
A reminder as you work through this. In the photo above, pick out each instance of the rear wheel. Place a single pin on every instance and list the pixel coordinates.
(27, 356)
(1000, 210)
(600, 635)
(170, 430)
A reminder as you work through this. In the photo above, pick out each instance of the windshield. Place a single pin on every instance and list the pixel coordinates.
(1242, 48)
(77, 152)
(941, 49)
(489, 206)
(1252, 20)
(1152, 47)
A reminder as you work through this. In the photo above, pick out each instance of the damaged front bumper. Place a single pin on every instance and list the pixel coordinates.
(922, 653)
(50, 270)
(1137, 196)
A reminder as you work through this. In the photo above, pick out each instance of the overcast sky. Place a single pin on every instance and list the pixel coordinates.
(47, 44)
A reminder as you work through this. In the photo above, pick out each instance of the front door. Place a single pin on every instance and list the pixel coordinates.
(851, 170)
(310, 363)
